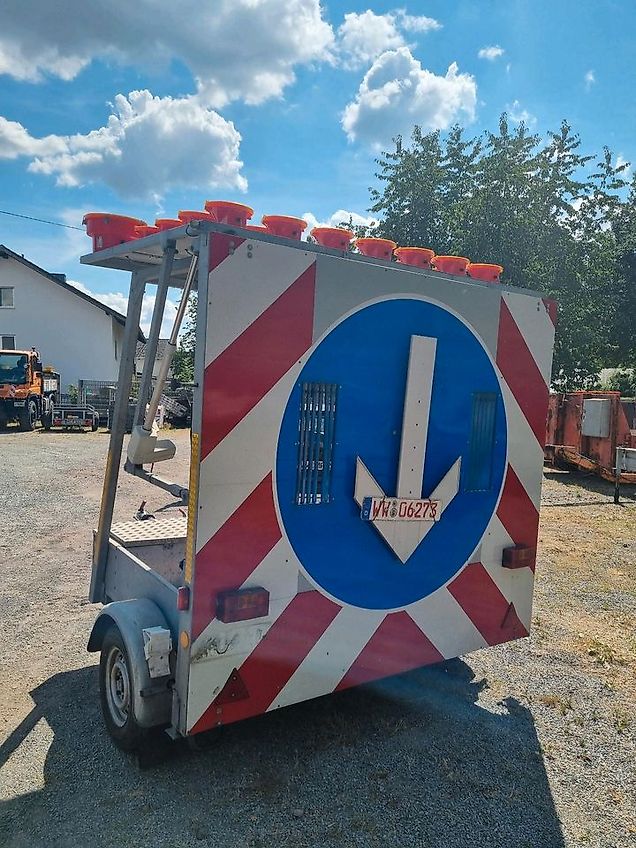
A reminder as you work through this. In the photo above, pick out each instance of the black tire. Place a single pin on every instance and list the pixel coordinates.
(28, 416)
(116, 686)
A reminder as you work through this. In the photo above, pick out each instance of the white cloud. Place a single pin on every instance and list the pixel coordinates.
(417, 23)
(148, 145)
(119, 302)
(396, 93)
(589, 79)
(518, 115)
(235, 49)
(364, 36)
(338, 218)
(491, 53)
(620, 161)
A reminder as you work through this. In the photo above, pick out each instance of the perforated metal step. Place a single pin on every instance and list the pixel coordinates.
(153, 531)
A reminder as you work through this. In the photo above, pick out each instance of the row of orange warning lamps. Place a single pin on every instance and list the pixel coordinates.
(109, 230)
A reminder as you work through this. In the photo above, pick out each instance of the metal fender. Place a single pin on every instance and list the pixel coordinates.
(152, 701)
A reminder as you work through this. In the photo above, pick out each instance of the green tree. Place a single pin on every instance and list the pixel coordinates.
(183, 360)
(509, 197)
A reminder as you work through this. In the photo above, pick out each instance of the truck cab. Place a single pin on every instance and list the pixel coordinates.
(27, 391)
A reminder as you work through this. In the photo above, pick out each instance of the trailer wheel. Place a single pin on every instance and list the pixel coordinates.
(116, 692)
(28, 416)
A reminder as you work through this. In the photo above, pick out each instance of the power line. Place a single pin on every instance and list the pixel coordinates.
(40, 220)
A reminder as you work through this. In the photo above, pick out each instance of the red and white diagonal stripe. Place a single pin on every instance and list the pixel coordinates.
(309, 644)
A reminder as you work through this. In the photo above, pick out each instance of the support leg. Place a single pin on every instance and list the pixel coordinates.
(118, 428)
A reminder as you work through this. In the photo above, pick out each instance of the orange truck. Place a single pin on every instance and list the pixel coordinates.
(27, 390)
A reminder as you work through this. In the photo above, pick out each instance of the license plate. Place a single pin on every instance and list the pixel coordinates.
(400, 509)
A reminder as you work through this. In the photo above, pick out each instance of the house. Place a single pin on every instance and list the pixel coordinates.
(74, 333)
(140, 358)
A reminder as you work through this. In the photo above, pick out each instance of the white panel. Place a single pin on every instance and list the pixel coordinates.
(445, 623)
(237, 465)
(332, 656)
(536, 327)
(242, 287)
(515, 584)
(525, 454)
(223, 647)
(596, 418)
(417, 408)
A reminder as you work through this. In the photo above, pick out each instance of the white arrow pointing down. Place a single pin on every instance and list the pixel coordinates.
(403, 537)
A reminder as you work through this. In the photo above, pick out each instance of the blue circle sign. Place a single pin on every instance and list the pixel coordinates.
(369, 364)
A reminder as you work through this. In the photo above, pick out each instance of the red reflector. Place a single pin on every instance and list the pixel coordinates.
(241, 604)
(519, 556)
(234, 690)
(183, 598)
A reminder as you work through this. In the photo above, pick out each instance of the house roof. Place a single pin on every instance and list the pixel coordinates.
(161, 349)
(60, 280)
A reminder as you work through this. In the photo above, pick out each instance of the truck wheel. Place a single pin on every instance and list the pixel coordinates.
(116, 692)
(28, 416)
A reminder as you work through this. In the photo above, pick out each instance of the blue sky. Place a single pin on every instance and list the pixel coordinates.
(282, 104)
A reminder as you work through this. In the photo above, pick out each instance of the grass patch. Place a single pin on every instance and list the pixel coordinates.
(556, 702)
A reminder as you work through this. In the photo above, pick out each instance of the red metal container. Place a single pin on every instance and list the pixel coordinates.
(227, 212)
(451, 265)
(585, 428)
(421, 257)
(188, 215)
(334, 237)
(168, 223)
(284, 226)
(140, 231)
(376, 247)
(107, 230)
(483, 271)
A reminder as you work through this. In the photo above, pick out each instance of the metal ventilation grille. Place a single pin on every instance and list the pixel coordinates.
(316, 431)
(482, 440)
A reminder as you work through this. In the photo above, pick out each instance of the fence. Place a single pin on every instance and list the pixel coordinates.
(100, 394)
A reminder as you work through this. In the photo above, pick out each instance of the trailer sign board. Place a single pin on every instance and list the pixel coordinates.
(420, 416)
(366, 465)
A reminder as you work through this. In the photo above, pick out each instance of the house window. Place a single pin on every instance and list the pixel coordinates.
(6, 298)
(7, 342)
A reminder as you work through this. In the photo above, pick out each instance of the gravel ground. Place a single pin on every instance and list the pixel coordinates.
(530, 744)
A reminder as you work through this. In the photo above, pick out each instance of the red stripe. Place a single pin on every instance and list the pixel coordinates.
(270, 666)
(522, 374)
(493, 615)
(231, 555)
(221, 246)
(398, 645)
(551, 309)
(246, 370)
(517, 513)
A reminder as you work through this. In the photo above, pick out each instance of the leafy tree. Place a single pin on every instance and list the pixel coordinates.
(624, 381)
(509, 197)
(183, 360)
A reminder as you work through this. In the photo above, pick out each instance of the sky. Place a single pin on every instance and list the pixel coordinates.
(146, 108)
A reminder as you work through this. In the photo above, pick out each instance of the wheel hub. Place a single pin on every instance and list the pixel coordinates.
(117, 687)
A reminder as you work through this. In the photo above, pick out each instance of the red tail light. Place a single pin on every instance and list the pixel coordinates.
(519, 556)
(183, 598)
(242, 604)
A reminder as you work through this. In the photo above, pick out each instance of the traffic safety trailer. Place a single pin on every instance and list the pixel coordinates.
(365, 475)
